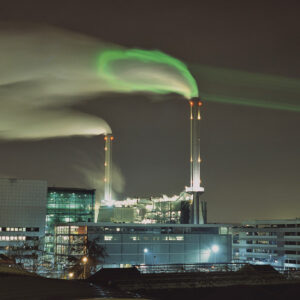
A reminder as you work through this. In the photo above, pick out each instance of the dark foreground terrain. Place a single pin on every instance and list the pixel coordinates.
(250, 282)
(262, 292)
(121, 283)
(18, 284)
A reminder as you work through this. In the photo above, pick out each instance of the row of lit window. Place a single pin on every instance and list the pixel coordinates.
(137, 238)
(71, 230)
(261, 242)
(69, 194)
(261, 250)
(286, 233)
(17, 229)
(158, 230)
(12, 228)
(263, 233)
(12, 238)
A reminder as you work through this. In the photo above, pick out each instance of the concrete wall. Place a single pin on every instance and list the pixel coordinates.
(23, 203)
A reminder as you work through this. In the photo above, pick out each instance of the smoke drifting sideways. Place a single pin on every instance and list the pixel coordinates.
(45, 71)
(237, 87)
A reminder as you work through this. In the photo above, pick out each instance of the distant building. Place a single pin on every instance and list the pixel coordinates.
(132, 244)
(274, 242)
(22, 217)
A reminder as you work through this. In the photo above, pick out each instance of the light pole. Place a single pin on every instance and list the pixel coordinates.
(145, 252)
(84, 260)
(215, 250)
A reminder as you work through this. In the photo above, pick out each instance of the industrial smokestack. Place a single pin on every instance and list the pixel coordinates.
(108, 169)
(198, 214)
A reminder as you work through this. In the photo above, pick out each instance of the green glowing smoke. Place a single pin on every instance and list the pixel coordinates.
(142, 70)
(244, 88)
(252, 102)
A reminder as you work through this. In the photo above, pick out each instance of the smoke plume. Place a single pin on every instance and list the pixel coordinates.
(46, 70)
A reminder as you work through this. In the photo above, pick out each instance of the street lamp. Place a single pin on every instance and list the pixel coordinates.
(215, 250)
(71, 275)
(145, 252)
(84, 260)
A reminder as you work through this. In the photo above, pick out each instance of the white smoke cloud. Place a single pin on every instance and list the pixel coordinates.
(45, 70)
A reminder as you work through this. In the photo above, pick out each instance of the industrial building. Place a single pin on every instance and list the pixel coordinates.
(29, 211)
(176, 230)
(186, 208)
(274, 242)
(65, 205)
(22, 218)
(154, 210)
(136, 244)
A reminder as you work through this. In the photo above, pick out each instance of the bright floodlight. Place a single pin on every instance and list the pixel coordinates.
(145, 250)
(215, 248)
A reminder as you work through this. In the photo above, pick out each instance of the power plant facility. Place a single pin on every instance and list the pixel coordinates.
(173, 229)
(186, 208)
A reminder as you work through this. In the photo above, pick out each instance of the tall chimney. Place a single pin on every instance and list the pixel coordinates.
(108, 169)
(198, 213)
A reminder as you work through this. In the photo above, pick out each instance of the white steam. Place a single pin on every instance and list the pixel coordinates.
(44, 71)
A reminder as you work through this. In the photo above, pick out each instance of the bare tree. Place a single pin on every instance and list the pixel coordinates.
(94, 255)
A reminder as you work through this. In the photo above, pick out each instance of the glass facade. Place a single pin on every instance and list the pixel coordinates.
(65, 206)
(125, 244)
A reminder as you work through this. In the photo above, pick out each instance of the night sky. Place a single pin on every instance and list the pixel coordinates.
(250, 154)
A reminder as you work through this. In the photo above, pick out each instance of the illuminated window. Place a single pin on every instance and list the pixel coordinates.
(108, 237)
(65, 206)
(223, 230)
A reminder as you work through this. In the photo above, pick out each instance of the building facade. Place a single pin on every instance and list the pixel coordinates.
(135, 244)
(274, 242)
(22, 218)
(66, 205)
